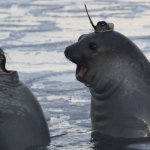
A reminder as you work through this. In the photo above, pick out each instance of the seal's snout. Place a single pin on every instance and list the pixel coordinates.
(67, 52)
(72, 54)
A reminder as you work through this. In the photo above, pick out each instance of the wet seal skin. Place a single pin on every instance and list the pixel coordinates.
(22, 122)
(118, 76)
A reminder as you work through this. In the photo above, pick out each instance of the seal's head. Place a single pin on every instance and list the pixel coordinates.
(103, 54)
(85, 52)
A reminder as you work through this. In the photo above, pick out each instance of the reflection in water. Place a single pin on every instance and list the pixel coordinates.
(103, 142)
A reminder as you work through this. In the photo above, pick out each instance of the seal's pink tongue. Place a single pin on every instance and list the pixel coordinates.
(82, 71)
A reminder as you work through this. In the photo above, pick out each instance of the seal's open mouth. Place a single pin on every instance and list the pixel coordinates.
(82, 68)
(81, 71)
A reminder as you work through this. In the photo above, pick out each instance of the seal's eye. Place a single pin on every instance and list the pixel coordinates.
(93, 46)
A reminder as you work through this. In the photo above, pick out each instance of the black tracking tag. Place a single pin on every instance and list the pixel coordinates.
(101, 26)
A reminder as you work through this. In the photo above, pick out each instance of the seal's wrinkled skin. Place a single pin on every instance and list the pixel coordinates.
(22, 122)
(118, 76)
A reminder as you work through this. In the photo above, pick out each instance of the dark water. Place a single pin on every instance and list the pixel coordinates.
(34, 34)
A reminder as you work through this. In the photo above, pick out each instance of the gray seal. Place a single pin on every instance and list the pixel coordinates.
(22, 122)
(118, 76)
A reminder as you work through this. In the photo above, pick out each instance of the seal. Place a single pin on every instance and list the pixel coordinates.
(118, 76)
(22, 122)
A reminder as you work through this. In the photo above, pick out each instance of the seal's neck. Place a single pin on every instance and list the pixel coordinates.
(106, 91)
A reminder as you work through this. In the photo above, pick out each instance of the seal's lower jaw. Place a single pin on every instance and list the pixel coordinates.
(81, 72)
